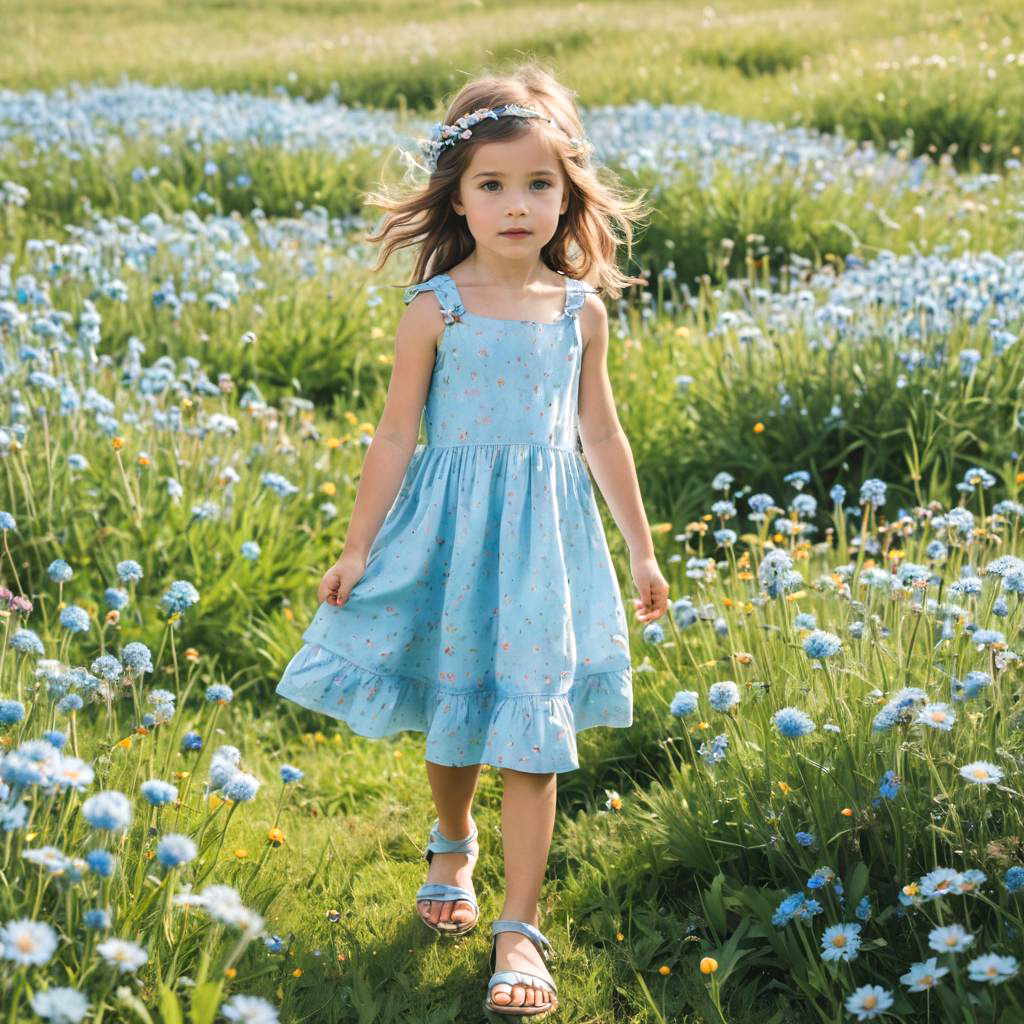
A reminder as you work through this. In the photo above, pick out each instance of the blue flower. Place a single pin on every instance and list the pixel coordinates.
(74, 619)
(59, 571)
(7, 521)
(60, 1005)
(683, 703)
(724, 509)
(872, 492)
(890, 785)
(722, 481)
(798, 478)
(219, 692)
(1014, 879)
(951, 939)
(986, 637)
(96, 919)
(863, 909)
(804, 838)
(191, 741)
(26, 640)
(714, 753)
(70, 702)
(129, 571)
(101, 861)
(923, 976)
(840, 942)
(174, 850)
(653, 633)
(241, 787)
(725, 537)
(158, 792)
(805, 620)
(724, 696)
(992, 968)
(180, 596)
(868, 1002)
(108, 810)
(107, 666)
(795, 907)
(11, 711)
(138, 657)
(837, 494)
(820, 644)
(290, 773)
(793, 723)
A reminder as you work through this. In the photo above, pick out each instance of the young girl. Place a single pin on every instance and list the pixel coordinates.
(475, 599)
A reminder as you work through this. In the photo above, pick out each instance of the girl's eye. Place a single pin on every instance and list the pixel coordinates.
(539, 181)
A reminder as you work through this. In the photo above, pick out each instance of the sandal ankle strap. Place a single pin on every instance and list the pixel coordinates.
(523, 927)
(439, 844)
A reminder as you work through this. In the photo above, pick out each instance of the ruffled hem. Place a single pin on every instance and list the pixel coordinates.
(527, 732)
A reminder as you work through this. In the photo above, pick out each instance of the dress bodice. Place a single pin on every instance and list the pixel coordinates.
(503, 381)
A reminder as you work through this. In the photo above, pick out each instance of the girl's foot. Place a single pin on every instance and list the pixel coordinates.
(515, 952)
(451, 869)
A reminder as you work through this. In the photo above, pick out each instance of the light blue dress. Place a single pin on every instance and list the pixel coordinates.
(489, 616)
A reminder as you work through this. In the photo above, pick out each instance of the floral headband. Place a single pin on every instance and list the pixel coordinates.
(446, 135)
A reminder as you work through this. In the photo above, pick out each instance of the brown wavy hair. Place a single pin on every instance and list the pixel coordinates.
(585, 243)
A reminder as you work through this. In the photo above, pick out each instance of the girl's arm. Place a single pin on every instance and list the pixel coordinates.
(610, 459)
(394, 441)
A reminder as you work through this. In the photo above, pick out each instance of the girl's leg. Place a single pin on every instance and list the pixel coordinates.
(453, 790)
(527, 822)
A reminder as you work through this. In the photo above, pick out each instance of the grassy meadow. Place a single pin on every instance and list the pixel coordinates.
(821, 384)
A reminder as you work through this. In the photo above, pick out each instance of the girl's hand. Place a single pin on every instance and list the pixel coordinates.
(339, 580)
(653, 587)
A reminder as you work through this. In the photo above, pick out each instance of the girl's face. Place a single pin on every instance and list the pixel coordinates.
(512, 184)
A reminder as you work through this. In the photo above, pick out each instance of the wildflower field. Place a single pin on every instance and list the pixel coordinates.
(817, 815)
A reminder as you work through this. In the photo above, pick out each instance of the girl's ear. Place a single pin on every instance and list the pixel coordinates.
(457, 204)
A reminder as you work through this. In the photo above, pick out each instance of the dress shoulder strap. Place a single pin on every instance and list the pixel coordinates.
(447, 295)
(576, 295)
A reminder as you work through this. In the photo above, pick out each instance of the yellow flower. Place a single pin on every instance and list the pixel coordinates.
(275, 836)
(661, 528)
(708, 965)
(682, 332)
(117, 443)
(619, 936)
(288, 614)
(191, 654)
(758, 428)
(847, 812)
(377, 332)
(297, 973)
(785, 787)
(230, 972)
(333, 442)
(328, 488)
(664, 969)
(126, 743)
(241, 854)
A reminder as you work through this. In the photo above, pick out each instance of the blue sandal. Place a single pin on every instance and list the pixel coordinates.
(511, 978)
(441, 892)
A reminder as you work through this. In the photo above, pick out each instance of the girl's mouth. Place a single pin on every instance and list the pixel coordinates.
(515, 234)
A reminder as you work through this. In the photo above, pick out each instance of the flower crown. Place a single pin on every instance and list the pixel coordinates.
(446, 135)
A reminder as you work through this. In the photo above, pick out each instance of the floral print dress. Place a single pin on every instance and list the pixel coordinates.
(489, 616)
